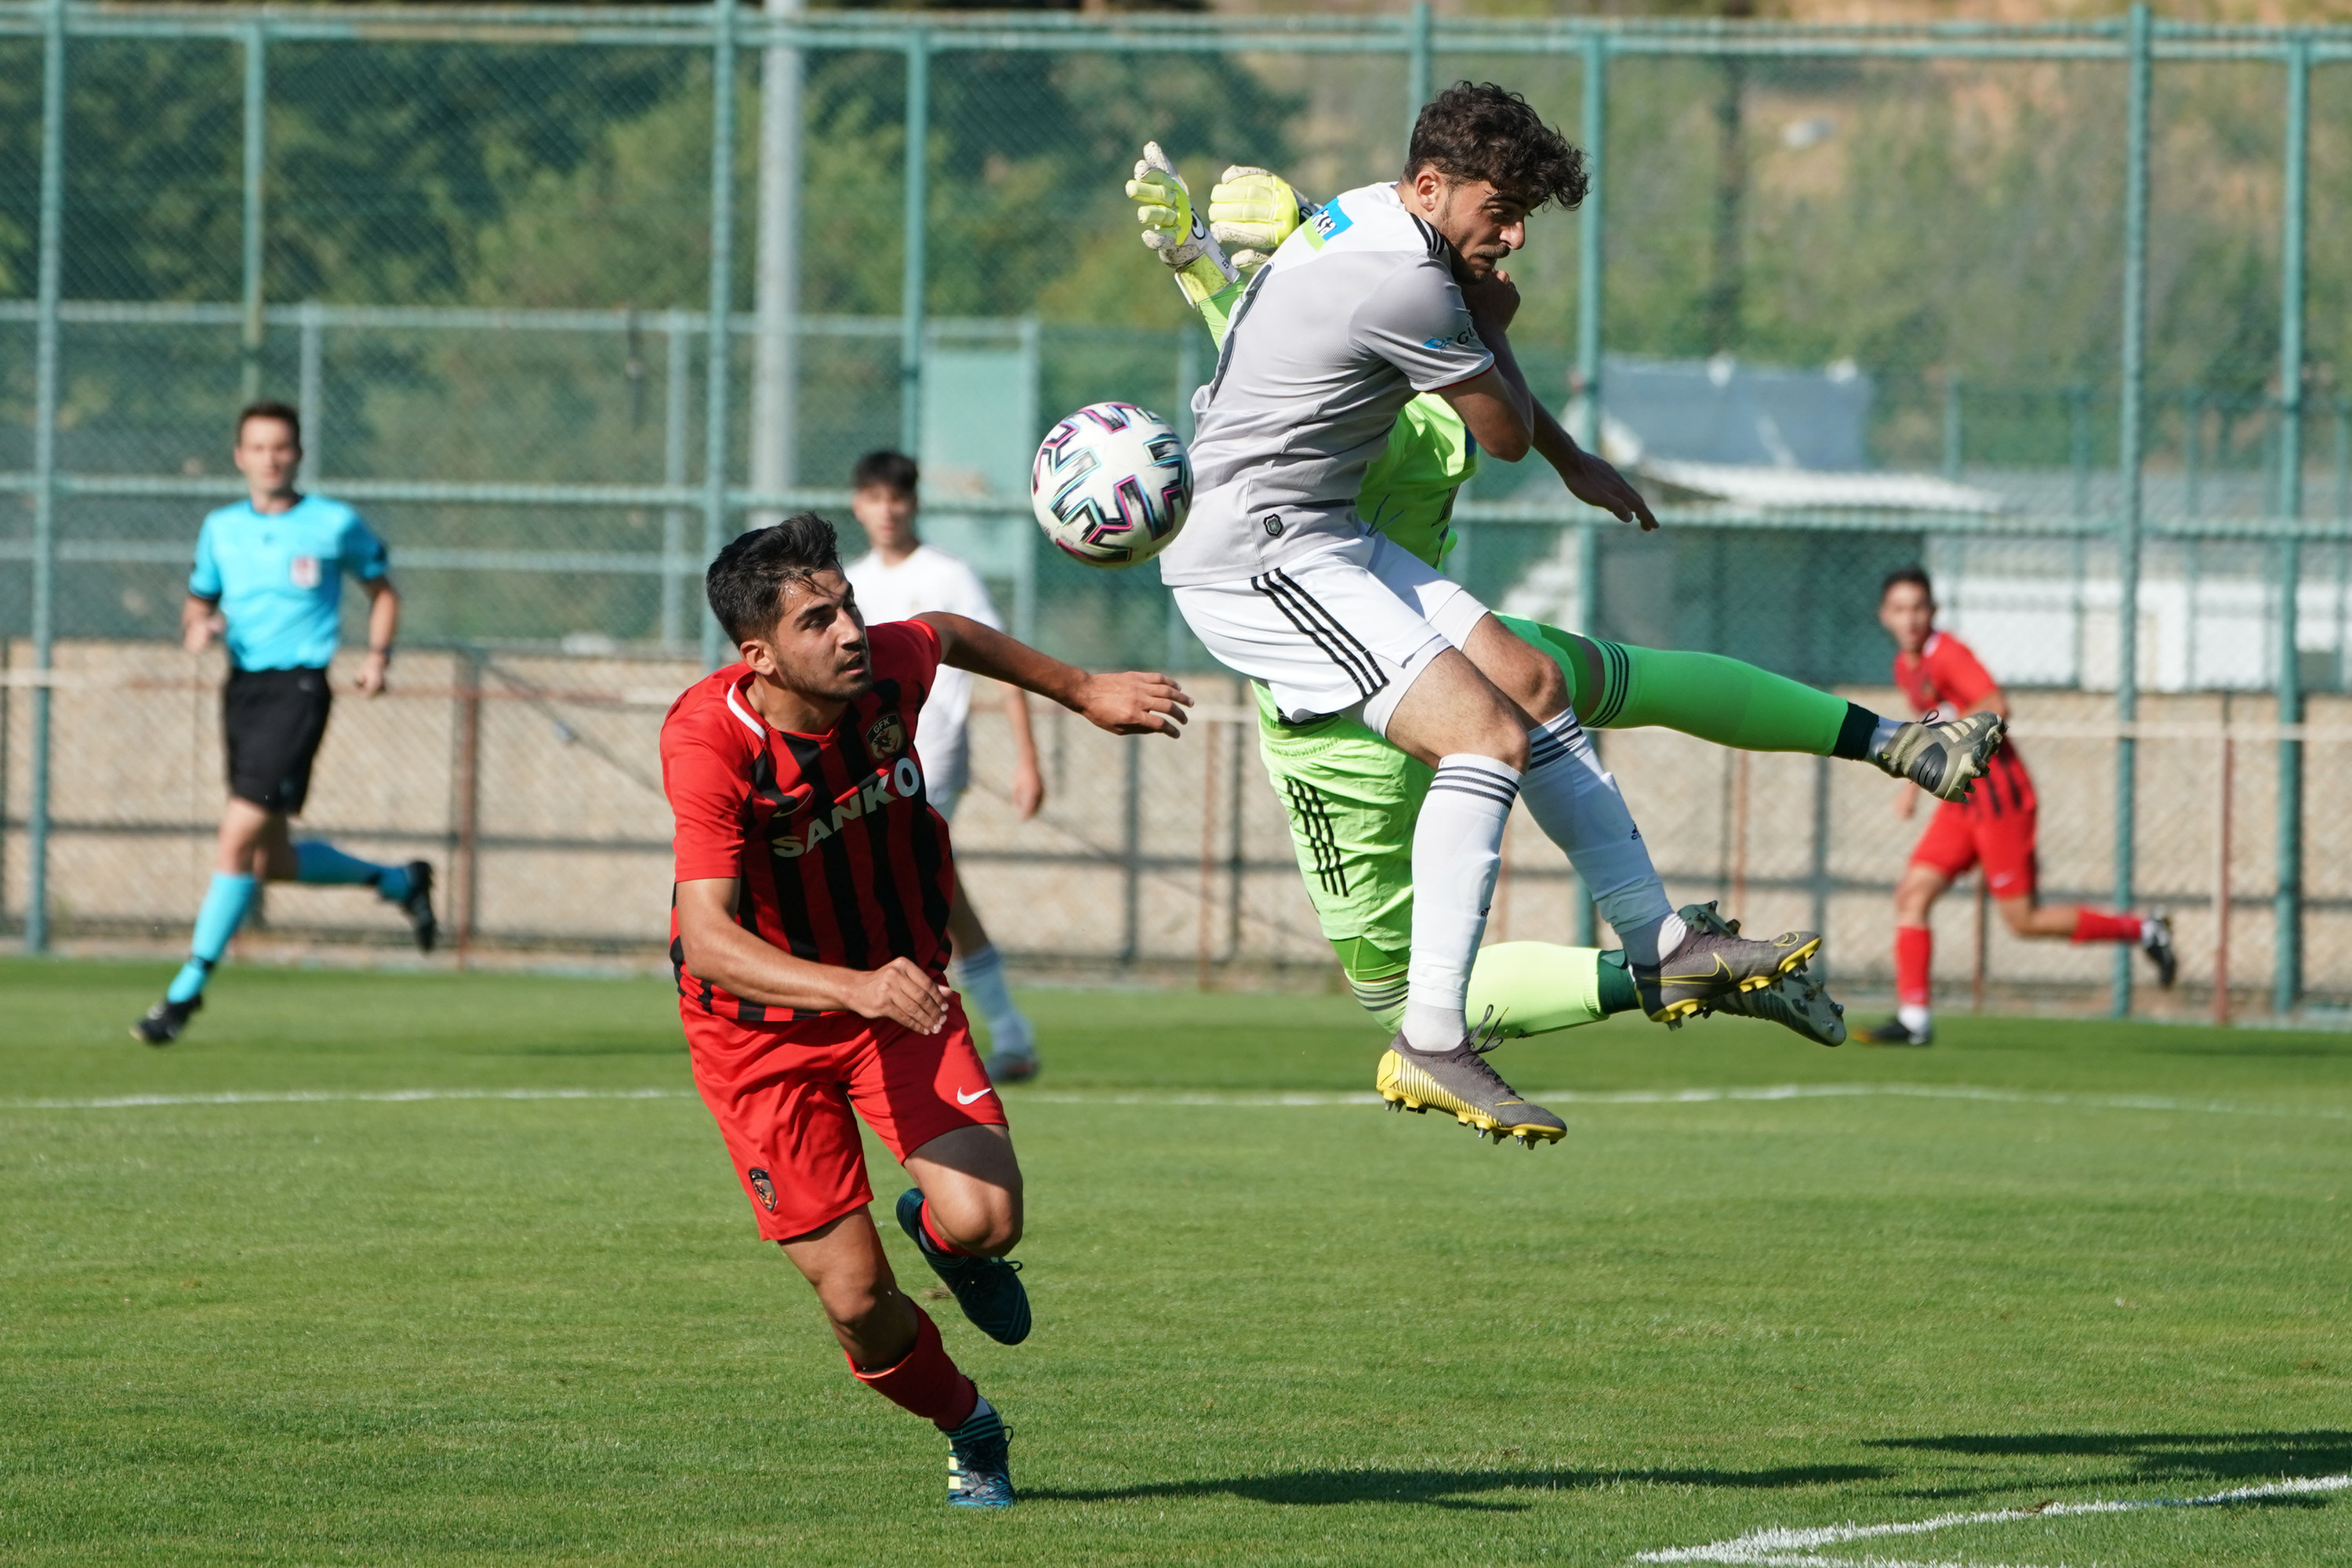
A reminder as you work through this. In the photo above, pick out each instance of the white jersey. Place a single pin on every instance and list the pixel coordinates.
(930, 579)
(1356, 314)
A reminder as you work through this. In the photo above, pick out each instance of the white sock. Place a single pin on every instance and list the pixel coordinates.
(1457, 849)
(1575, 803)
(979, 975)
(1657, 940)
(1913, 1017)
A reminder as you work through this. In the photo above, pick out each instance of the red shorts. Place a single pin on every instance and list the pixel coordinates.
(782, 1097)
(1958, 839)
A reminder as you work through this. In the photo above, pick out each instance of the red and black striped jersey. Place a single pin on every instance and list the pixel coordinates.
(1947, 674)
(838, 856)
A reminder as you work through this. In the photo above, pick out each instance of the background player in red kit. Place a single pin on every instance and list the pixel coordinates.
(809, 932)
(1994, 827)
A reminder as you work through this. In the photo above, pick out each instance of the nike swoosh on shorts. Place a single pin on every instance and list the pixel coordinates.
(963, 1098)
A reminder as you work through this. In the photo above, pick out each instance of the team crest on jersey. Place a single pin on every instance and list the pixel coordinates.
(304, 570)
(885, 737)
(765, 1188)
(1328, 225)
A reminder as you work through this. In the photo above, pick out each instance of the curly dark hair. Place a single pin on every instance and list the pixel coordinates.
(1478, 131)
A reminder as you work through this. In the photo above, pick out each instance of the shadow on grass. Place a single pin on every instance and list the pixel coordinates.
(1453, 1489)
(2221, 1456)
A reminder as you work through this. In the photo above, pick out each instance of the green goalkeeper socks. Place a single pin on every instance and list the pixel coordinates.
(1533, 987)
(1620, 687)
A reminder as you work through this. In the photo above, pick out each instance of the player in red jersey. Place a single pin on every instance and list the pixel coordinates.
(1993, 827)
(809, 933)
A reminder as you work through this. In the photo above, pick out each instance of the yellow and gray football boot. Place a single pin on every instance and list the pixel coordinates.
(1460, 1082)
(1714, 961)
(1944, 759)
(1797, 1002)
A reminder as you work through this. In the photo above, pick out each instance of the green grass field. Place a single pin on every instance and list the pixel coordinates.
(2045, 1261)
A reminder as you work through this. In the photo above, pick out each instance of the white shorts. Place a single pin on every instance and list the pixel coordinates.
(945, 801)
(1345, 629)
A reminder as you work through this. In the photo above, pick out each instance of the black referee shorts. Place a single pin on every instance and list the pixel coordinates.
(273, 721)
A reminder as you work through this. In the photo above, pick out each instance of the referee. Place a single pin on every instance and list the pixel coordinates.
(268, 578)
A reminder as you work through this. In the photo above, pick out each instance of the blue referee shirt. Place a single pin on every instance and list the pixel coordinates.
(278, 579)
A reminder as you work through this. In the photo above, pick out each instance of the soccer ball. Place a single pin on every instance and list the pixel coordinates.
(1111, 484)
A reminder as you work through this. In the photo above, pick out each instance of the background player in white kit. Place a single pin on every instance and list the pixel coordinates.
(1394, 290)
(900, 578)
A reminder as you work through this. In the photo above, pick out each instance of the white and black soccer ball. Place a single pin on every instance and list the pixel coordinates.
(1111, 484)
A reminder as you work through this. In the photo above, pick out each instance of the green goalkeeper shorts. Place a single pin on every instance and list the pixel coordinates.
(1352, 799)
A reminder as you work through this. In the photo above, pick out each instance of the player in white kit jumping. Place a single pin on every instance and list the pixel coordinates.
(901, 577)
(1394, 290)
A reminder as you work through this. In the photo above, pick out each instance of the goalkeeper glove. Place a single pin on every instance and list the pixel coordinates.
(1253, 210)
(1172, 228)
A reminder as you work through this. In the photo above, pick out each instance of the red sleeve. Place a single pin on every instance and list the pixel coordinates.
(909, 653)
(708, 785)
(1960, 678)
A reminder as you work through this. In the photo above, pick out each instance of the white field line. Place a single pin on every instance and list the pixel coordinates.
(1795, 1548)
(1757, 1092)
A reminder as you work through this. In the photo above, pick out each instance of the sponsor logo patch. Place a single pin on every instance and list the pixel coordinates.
(304, 570)
(765, 1188)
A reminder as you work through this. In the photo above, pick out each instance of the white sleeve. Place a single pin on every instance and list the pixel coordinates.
(1417, 320)
(972, 598)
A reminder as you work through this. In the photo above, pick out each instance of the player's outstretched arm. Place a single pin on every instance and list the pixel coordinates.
(1590, 478)
(1133, 702)
(723, 952)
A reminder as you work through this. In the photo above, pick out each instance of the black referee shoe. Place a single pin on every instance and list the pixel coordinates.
(165, 1021)
(418, 905)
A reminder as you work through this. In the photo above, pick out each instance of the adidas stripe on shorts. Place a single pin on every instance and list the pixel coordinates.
(1342, 629)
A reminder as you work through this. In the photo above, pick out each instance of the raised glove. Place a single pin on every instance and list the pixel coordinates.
(1170, 226)
(1253, 210)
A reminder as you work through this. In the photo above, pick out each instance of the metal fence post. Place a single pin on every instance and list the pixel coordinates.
(676, 395)
(1589, 237)
(310, 395)
(1419, 66)
(45, 464)
(1952, 430)
(910, 286)
(722, 297)
(776, 291)
(2286, 976)
(1131, 854)
(2127, 520)
(257, 115)
(1590, 242)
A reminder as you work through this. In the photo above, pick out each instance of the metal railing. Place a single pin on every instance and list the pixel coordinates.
(2138, 44)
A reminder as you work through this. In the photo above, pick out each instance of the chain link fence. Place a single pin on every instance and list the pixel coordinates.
(568, 296)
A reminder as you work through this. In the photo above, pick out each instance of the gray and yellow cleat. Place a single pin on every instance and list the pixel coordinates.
(1797, 1002)
(1461, 1083)
(1714, 961)
(1944, 759)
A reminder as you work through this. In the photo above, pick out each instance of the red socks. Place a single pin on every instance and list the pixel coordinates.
(2090, 925)
(1914, 948)
(931, 1231)
(925, 1381)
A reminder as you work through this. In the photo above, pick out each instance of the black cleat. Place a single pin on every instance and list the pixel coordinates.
(989, 1289)
(1945, 759)
(418, 905)
(1896, 1032)
(165, 1021)
(2156, 940)
(980, 1463)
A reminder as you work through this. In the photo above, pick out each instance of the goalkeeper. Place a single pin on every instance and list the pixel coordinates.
(1351, 798)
